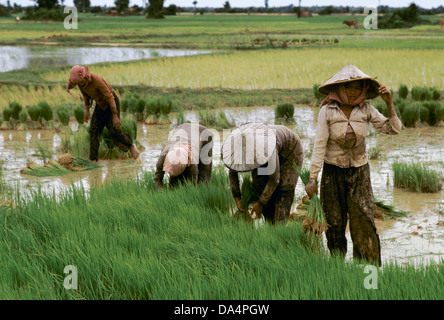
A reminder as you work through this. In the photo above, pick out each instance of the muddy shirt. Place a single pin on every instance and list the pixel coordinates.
(332, 143)
(288, 153)
(99, 91)
(200, 139)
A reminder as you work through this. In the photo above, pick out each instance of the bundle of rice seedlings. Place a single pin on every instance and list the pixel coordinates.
(7, 114)
(66, 164)
(45, 111)
(314, 222)
(23, 116)
(416, 177)
(386, 211)
(247, 197)
(180, 116)
(34, 113)
(79, 114)
(284, 113)
(403, 91)
(16, 109)
(63, 114)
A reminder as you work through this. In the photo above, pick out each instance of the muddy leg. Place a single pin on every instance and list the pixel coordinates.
(366, 244)
(333, 199)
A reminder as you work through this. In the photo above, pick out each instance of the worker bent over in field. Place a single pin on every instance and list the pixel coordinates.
(188, 156)
(340, 150)
(106, 112)
(272, 153)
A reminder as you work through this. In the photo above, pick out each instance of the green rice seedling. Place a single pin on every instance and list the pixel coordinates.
(215, 119)
(400, 103)
(63, 115)
(45, 111)
(411, 114)
(248, 197)
(423, 113)
(16, 109)
(66, 140)
(432, 107)
(42, 150)
(80, 142)
(439, 112)
(316, 93)
(107, 148)
(7, 114)
(131, 241)
(79, 114)
(23, 116)
(382, 108)
(388, 212)
(129, 125)
(403, 91)
(416, 177)
(374, 153)
(180, 116)
(436, 94)
(54, 168)
(34, 113)
(424, 93)
(314, 222)
(284, 112)
(165, 105)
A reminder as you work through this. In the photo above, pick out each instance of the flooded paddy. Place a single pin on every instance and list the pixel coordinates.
(415, 239)
(14, 58)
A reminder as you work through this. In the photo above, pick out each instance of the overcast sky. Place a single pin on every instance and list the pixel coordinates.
(261, 3)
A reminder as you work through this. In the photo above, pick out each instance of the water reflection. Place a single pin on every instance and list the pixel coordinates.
(14, 58)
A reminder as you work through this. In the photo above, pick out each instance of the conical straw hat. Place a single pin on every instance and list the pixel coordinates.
(248, 147)
(347, 74)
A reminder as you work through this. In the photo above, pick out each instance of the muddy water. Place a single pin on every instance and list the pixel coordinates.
(415, 239)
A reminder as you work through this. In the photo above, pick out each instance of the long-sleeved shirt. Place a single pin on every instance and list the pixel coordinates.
(332, 142)
(101, 92)
(201, 141)
(288, 153)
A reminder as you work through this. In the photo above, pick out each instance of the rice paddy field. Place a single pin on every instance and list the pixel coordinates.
(128, 240)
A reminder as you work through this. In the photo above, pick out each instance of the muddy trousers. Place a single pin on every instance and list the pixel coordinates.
(349, 191)
(277, 209)
(104, 118)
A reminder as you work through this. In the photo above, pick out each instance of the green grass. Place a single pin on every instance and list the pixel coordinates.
(130, 241)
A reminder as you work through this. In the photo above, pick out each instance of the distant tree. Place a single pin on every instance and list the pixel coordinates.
(46, 4)
(266, 4)
(171, 10)
(83, 5)
(227, 6)
(401, 18)
(121, 5)
(194, 2)
(155, 9)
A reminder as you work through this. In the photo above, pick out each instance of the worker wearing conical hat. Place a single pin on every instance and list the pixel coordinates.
(187, 156)
(106, 113)
(340, 151)
(272, 153)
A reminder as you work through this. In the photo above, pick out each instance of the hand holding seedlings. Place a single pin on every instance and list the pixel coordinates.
(311, 188)
(239, 204)
(256, 211)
